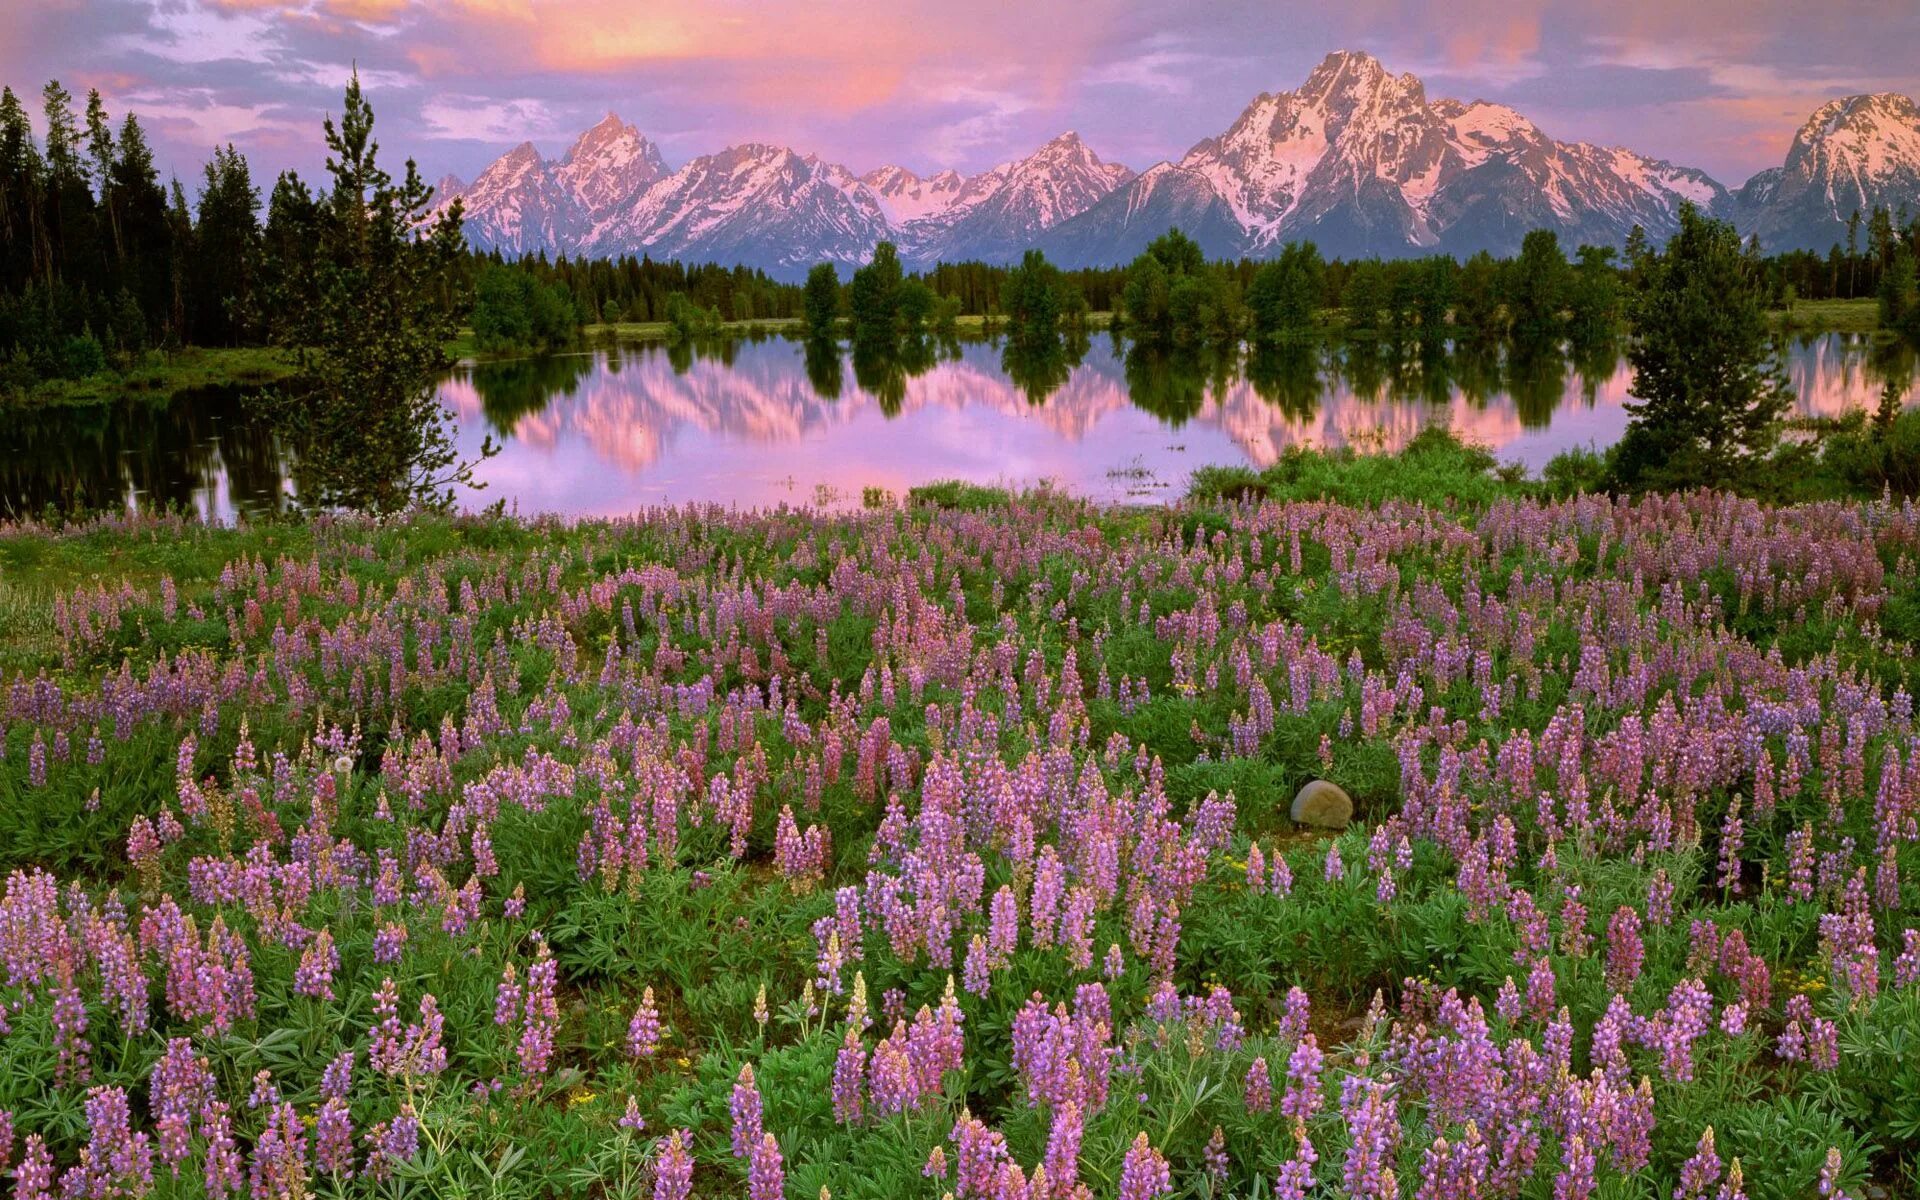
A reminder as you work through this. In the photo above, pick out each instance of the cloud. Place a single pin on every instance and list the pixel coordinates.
(966, 83)
(475, 118)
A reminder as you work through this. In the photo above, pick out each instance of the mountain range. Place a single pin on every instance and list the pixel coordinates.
(1356, 159)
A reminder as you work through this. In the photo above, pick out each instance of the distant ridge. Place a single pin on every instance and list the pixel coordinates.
(1356, 159)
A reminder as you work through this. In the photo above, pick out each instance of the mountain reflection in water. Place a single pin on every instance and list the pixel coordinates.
(770, 421)
(765, 421)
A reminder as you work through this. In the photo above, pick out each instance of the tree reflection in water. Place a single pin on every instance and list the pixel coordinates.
(208, 451)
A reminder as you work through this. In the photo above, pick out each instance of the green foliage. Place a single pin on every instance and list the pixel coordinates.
(365, 420)
(1032, 301)
(1537, 287)
(1435, 467)
(1708, 387)
(1593, 295)
(958, 494)
(514, 311)
(873, 298)
(1364, 299)
(1285, 294)
(1175, 297)
(914, 303)
(822, 301)
(687, 321)
(1899, 293)
(1883, 456)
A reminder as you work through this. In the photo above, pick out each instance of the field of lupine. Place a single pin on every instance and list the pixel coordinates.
(931, 852)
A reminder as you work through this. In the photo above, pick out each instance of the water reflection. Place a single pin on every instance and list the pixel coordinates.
(764, 421)
(201, 453)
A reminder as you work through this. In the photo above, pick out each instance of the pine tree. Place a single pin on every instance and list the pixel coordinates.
(1708, 389)
(822, 301)
(1285, 293)
(366, 424)
(873, 298)
(1537, 287)
(1031, 300)
(220, 295)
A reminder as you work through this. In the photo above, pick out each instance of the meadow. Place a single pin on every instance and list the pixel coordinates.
(944, 849)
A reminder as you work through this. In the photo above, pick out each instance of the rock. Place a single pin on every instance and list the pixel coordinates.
(1323, 804)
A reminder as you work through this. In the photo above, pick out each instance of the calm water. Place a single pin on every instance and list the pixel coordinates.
(762, 422)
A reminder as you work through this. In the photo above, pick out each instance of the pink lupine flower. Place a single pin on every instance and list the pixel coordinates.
(744, 1107)
(643, 1031)
(1144, 1174)
(766, 1172)
(673, 1167)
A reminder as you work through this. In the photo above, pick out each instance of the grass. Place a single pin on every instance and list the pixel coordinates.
(1436, 467)
(161, 376)
(1055, 670)
(1830, 316)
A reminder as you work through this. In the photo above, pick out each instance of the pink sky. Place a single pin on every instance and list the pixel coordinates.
(1717, 84)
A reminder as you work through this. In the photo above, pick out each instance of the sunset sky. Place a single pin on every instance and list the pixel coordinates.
(1717, 84)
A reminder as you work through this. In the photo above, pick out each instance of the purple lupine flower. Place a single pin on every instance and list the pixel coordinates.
(1333, 869)
(318, 962)
(643, 1031)
(333, 1138)
(1828, 1184)
(1302, 1097)
(849, 1076)
(1144, 1174)
(33, 1178)
(1700, 1172)
(744, 1108)
(766, 1172)
(279, 1166)
(1625, 952)
(1373, 1135)
(673, 1167)
(1294, 1179)
(1214, 1156)
(1062, 1161)
(1257, 1090)
(1298, 1015)
(1575, 1179)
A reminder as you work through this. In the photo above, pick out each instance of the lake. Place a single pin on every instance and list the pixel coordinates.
(755, 422)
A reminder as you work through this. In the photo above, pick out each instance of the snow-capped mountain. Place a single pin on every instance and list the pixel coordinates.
(1359, 161)
(517, 206)
(609, 166)
(905, 197)
(1356, 159)
(998, 214)
(1855, 153)
(525, 203)
(758, 205)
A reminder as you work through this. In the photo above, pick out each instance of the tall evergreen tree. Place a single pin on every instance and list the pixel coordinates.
(21, 235)
(366, 423)
(1031, 300)
(1285, 293)
(145, 232)
(1708, 388)
(1537, 287)
(822, 301)
(873, 296)
(226, 262)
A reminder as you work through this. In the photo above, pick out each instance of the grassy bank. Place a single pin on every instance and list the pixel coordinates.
(1829, 316)
(161, 376)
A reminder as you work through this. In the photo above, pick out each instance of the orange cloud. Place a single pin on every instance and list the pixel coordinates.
(836, 56)
(372, 12)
